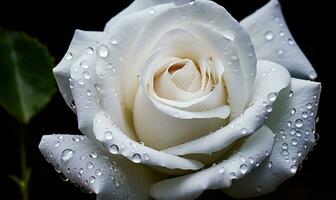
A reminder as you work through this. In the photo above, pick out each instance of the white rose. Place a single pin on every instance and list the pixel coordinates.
(172, 87)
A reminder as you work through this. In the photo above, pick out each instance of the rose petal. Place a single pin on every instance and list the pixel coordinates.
(203, 12)
(82, 42)
(273, 41)
(270, 80)
(139, 5)
(219, 176)
(293, 139)
(91, 168)
(118, 143)
(160, 130)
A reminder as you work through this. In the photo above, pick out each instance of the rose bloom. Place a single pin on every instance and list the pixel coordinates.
(177, 97)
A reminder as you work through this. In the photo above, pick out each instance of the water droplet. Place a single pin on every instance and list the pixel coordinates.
(272, 97)
(136, 158)
(92, 179)
(294, 160)
(103, 51)
(243, 168)
(269, 165)
(108, 135)
(89, 165)
(115, 182)
(269, 108)
(298, 134)
(146, 157)
(243, 131)
(152, 12)
(67, 154)
(93, 155)
(114, 41)
(269, 35)
(294, 142)
(293, 169)
(281, 33)
(280, 51)
(88, 93)
(309, 106)
(68, 56)
(293, 111)
(284, 152)
(89, 50)
(251, 160)
(84, 64)
(299, 154)
(98, 172)
(290, 42)
(289, 123)
(233, 175)
(80, 172)
(312, 75)
(86, 75)
(57, 143)
(114, 149)
(80, 82)
(284, 146)
(298, 123)
(221, 170)
(242, 158)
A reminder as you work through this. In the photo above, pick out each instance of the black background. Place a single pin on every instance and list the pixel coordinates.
(54, 23)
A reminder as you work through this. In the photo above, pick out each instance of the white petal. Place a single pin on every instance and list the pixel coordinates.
(270, 80)
(160, 130)
(118, 143)
(87, 165)
(221, 175)
(292, 143)
(82, 42)
(273, 41)
(139, 5)
(203, 12)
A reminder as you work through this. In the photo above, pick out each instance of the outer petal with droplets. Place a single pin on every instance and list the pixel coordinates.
(118, 143)
(273, 41)
(293, 121)
(91, 168)
(253, 151)
(81, 42)
(271, 79)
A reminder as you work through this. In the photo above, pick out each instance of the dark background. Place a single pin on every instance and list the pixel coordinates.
(54, 23)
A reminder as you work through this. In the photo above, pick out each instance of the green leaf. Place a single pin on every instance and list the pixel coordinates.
(26, 80)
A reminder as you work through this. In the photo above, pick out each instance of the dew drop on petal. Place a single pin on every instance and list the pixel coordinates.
(293, 169)
(84, 64)
(89, 165)
(98, 172)
(221, 170)
(89, 50)
(93, 155)
(136, 158)
(67, 154)
(294, 142)
(108, 135)
(293, 111)
(269, 35)
(298, 123)
(92, 179)
(272, 97)
(68, 56)
(114, 149)
(103, 51)
(243, 168)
